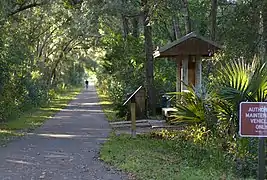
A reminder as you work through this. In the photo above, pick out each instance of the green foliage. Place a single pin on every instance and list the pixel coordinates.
(236, 81)
(164, 77)
(238, 29)
(239, 81)
(122, 70)
(197, 107)
(107, 107)
(111, 78)
(32, 70)
(215, 113)
(159, 159)
(32, 118)
(242, 152)
(196, 134)
(38, 56)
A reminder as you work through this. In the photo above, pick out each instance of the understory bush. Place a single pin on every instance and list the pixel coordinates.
(18, 94)
(241, 154)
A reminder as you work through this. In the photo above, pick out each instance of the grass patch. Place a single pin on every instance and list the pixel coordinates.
(108, 107)
(158, 159)
(35, 117)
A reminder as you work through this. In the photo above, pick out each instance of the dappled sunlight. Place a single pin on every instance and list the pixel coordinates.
(60, 105)
(93, 129)
(40, 117)
(51, 154)
(20, 162)
(92, 113)
(87, 115)
(36, 123)
(57, 135)
(4, 132)
(102, 96)
(61, 117)
(56, 156)
(82, 110)
(106, 103)
(51, 109)
(98, 113)
(68, 136)
(109, 111)
(89, 104)
(87, 98)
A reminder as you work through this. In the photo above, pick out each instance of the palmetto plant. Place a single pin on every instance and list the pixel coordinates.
(196, 108)
(239, 81)
(236, 81)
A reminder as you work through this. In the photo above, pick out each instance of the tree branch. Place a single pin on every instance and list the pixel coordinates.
(22, 8)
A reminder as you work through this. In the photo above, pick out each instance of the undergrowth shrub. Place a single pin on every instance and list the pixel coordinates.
(196, 134)
(240, 153)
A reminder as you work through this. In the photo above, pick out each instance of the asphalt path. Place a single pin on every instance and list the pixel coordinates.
(66, 147)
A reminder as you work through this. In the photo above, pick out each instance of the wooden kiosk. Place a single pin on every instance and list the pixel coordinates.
(188, 52)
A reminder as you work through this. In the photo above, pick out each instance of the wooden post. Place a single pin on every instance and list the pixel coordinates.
(133, 112)
(133, 118)
(178, 76)
(185, 73)
(198, 73)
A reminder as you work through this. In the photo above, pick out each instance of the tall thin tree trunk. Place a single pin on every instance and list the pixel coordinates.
(125, 26)
(187, 20)
(213, 16)
(125, 23)
(149, 58)
(214, 7)
(176, 28)
(135, 22)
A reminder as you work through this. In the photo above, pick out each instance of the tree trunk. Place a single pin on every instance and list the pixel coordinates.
(213, 13)
(125, 23)
(168, 31)
(135, 22)
(187, 20)
(149, 58)
(125, 26)
(176, 28)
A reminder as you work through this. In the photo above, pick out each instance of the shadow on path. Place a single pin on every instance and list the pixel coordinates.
(65, 148)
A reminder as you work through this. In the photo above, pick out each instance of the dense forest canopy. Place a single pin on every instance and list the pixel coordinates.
(50, 44)
(47, 46)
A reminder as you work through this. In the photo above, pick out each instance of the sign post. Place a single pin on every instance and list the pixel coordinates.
(133, 117)
(133, 111)
(261, 159)
(253, 123)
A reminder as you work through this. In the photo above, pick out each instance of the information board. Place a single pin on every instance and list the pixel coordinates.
(132, 95)
(253, 119)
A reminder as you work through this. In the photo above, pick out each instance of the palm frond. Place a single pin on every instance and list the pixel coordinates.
(193, 107)
(239, 81)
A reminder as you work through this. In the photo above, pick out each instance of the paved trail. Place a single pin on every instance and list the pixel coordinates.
(65, 148)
